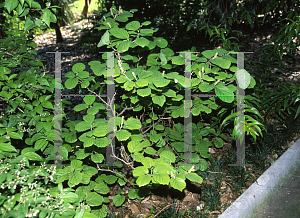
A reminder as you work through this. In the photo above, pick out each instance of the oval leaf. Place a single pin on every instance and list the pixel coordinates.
(134, 25)
(119, 33)
(132, 123)
(104, 39)
(123, 135)
(124, 46)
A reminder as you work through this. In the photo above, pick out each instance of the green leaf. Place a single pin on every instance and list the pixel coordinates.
(178, 60)
(134, 146)
(71, 83)
(82, 126)
(98, 69)
(43, 81)
(87, 140)
(168, 52)
(143, 180)
(146, 143)
(208, 53)
(83, 75)
(111, 179)
(40, 144)
(76, 164)
(97, 158)
(170, 93)
(142, 42)
(118, 200)
(20, 8)
(168, 156)
(101, 188)
(89, 100)
(206, 87)
(89, 118)
(203, 164)
(121, 79)
(46, 17)
(122, 18)
(160, 81)
(33, 156)
(148, 32)
(189, 27)
(29, 24)
(178, 183)
(220, 51)
(100, 131)
(139, 171)
(74, 178)
(161, 178)
(218, 142)
(132, 123)
(232, 60)
(297, 112)
(134, 25)
(81, 154)
(11, 5)
(161, 42)
(123, 135)
(150, 151)
(243, 78)
(129, 85)
(93, 111)
(221, 62)
(104, 39)
(249, 19)
(160, 100)
(94, 199)
(193, 177)
(159, 127)
(155, 137)
(80, 107)
(36, 5)
(79, 67)
(7, 147)
(14, 135)
(163, 58)
(124, 46)
(146, 23)
(144, 92)
(70, 197)
(119, 33)
(138, 137)
(142, 82)
(224, 93)
(39, 126)
(47, 104)
(148, 162)
(85, 178)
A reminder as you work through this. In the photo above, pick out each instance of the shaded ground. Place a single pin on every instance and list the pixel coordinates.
(192, 196)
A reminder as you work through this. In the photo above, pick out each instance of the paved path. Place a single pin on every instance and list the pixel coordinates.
(286, 201)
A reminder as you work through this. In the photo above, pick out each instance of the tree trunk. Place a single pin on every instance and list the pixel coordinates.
(59, 37)
(86, 8)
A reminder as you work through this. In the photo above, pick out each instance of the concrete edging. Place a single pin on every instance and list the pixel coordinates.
(256, 195)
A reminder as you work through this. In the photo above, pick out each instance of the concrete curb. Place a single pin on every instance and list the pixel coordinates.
(256, 195)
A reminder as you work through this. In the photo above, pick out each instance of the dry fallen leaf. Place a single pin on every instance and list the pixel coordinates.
(135, 210)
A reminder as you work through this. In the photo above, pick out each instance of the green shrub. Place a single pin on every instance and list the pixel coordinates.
(145, 89)
(23, 193)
